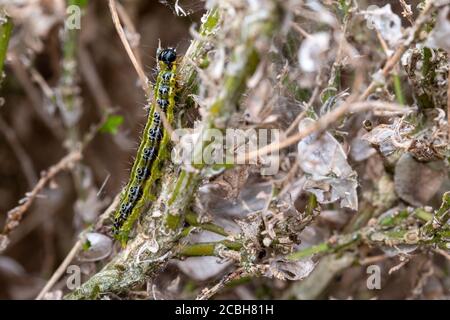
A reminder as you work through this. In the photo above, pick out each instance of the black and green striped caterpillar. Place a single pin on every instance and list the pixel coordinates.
(152, 149)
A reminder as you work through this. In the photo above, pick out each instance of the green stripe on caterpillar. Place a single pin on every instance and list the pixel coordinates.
(151, 151)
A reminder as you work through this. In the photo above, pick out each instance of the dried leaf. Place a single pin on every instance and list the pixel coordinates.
(329, 176)
(291, 270)
(385, 21)
(98, 247)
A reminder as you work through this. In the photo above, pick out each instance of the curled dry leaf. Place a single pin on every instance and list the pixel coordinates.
(98, 246)
(290, 270)
(389, 138)
(387, 23)
(329, 176)
(360, 148)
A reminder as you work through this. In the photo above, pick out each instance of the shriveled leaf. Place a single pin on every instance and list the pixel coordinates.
(329, 176)
(290, 270)
(96, 247)
(385, 21)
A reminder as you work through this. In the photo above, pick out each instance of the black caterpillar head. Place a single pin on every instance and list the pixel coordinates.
(168, 56)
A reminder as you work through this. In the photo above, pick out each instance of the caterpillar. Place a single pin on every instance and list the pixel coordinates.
(151, 151)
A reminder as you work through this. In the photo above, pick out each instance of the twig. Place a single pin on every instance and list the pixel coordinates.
(208, 293)
(137, 66)
(443, 253)
(61, 269)
(323, 123)
(16, 214)
(420, 21)
(115, 17)
(77, 246)
(125, 18)
(407, 13)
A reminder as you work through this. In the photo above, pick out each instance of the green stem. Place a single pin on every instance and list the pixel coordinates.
(320, 248)
(5, 35)
(191, 218)
(208, 248)
(398, 89)
(441, 216)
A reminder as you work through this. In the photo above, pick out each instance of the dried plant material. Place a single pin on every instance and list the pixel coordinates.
(329, 176)
(389, 138)
(230, 183)
(35, 18)
(439, 38)
(361, 148)
(387, 23)
(427, 71)
(418, 188)
(290, 270)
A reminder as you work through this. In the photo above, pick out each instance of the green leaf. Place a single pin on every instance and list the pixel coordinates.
(86, 245)
(112, 124)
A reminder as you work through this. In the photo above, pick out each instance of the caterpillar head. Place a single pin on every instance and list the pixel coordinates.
(168, 55)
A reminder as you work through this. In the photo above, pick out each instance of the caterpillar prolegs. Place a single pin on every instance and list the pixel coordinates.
(151, 151)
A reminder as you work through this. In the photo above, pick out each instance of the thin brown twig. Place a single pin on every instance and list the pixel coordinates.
(125, 18)
(395, 57)
(345, 107)
(300, 30)
(76, 247)
(407, 13)
(15, 215)
(443, 253)
(208, 293)
(320, 125)
(61, 269)
(141, 74)
(138, 67)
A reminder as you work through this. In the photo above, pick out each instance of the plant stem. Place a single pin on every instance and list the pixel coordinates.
(208, 248)
(191, 218)
(5, 34)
